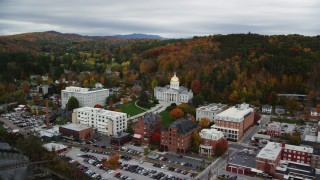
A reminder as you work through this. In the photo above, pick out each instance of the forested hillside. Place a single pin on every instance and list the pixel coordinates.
(221, 68)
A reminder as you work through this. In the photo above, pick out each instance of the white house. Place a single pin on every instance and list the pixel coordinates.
(174, 92)
(107, 122)
(314, 112)
(266, 109)
(87, 97)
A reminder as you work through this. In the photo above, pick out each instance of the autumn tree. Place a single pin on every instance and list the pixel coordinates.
(197, 100)
(318, 108)
(176, 113)
(295, 139)
(97, 106)
(113, 161)
(221, 147)
(155, 139)
(292, 105)
(196, 86)
(196, 141)
(204, 122)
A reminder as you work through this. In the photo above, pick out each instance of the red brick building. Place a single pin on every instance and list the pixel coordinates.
(147, 125)
(76, 131)
(178, 135)
(274, 129)
(210, 139)
(279, 160)
(234, 121)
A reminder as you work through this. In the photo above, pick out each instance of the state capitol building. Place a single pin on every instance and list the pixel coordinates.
(173, 92)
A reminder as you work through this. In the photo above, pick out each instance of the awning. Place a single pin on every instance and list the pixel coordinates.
(256, 170)
(137, 136)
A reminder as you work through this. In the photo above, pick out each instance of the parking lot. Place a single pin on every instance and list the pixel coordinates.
(145, 168)
(14, 121)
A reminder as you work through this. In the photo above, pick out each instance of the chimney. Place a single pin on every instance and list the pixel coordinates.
(47, 114)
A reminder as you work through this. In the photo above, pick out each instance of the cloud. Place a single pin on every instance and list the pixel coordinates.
(174, 18)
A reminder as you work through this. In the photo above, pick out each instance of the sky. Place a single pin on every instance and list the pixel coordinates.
(167, 18)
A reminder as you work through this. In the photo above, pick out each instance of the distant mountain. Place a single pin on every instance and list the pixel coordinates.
(139, 36)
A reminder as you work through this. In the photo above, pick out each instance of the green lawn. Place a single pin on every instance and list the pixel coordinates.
(166, 120)
(130, 108)
(2, 129)
(290, 121)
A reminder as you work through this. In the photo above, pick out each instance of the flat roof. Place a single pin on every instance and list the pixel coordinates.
(235, 114)
(56, 146)
(244, 159)
(299, 148)
(75, 127)
(271, 151)
(310, 138)
(214, 107)
(211, 134)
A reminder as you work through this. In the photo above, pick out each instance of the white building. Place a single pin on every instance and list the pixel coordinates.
(107, 122)
(210, 139)
(174, 92)
(314, 112)
(266, 109)
(210, 111)
(87, 97)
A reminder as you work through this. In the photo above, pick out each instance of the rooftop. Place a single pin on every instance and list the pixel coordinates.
(101, 111)
(244, 159)
(299, 148)
(150, 118)
(183, 125)
(211, 134)
(82, 90)
(235, 113)
(55, 146)
(271, 151)
(214, 107)
(75, 127)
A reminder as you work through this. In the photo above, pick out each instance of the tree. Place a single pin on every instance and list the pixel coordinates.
(130, 128)
(113, 161)
(295, 139)
(198, 100)
(73, 103)
(154, 83)
(204, 122)
(196, 141)
(196, 86)
(221, 147)
(144, 100)
(318, 108)
(176, 113)
(97, 106)
(292, 105)
(155, 139)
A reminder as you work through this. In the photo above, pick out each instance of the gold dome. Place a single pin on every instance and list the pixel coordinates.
(174, 78)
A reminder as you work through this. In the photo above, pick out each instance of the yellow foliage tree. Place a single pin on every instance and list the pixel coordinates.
(204, 122)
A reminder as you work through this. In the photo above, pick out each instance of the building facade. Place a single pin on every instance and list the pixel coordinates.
(173, 92)
(76, 131)
(209, 111)
(210, 139)
(234, 121)
(274, 129)
(87, 97)
(147, 125)
(177, 136)
(105, 121)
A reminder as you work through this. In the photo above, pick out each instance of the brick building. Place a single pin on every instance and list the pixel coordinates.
(210, 139)
(285, 161)
(147, 125)
(274, 129)
(177, 136)
(234, 121)
(76, 131)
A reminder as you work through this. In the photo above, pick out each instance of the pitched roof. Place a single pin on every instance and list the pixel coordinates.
(150, 118)
(184, 125)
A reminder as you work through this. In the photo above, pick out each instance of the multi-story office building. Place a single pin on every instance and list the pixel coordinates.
(87, 97)
(178, 135)
(106, 122)
(234, 121)
(209, 111)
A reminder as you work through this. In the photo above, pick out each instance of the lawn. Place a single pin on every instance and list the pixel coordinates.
(166, 120)
(290, 121)
(130, 108)
(2, 129)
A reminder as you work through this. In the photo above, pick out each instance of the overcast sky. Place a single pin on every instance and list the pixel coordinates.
(167, 18)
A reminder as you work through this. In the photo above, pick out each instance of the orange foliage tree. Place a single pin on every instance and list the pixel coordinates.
(204, 122)
(113, 161)
(221, 147)
(176, 113)
(196, 86)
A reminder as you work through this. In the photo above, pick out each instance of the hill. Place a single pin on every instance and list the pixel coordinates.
(139, 36)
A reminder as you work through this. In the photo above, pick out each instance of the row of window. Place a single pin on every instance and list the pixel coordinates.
(295, 152)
